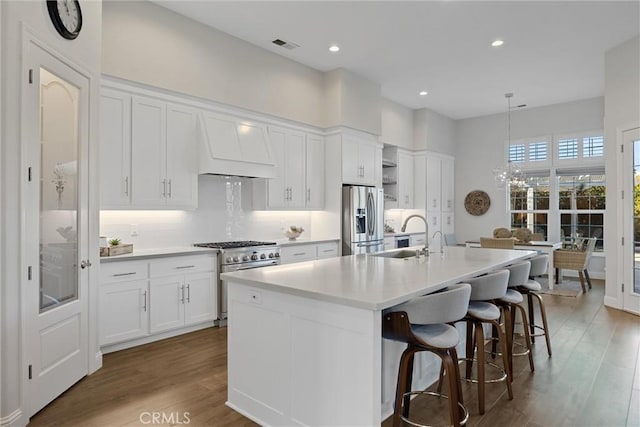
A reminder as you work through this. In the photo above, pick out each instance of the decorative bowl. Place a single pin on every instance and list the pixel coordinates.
(293, 232)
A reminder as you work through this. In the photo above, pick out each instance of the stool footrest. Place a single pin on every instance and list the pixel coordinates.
(465, 417)
(493, 365)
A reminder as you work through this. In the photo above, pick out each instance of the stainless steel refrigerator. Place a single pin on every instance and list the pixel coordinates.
(362, 220)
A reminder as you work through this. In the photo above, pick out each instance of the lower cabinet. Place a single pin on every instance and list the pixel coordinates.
(138, 299)
(181, 301)
(308, 252)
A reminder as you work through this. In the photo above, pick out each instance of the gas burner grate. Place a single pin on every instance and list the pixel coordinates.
(233, 244)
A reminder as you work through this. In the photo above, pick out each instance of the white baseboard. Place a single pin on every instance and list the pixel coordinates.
(97, 363)
(110, 348)
(612, 302)
(13, 419)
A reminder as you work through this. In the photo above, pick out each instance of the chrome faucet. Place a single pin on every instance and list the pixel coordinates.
(425, 250)
(441, 238)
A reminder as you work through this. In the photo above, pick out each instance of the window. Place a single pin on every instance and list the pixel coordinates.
(581, 202)
(593, 146)
(517, 153)
(567, 149)
(529, 153)
(538, 151)
(529, 204)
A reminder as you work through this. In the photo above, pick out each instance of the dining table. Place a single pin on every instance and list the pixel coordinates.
(546, 247)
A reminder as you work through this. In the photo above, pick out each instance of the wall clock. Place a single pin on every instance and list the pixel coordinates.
(477, 202)
(66, 17)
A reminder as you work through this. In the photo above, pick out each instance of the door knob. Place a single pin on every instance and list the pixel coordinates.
(85, 263)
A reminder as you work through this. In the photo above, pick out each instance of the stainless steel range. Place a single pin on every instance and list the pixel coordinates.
(240, 255)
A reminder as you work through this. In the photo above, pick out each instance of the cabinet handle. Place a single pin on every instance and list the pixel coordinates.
(164, 188)
(448, 220)
(435, 221)
(124, 274)
(328, 250)
(290, 194)
(144, 296)
(449, 204)
(434, 203)
(169, 188)
(126, 185)
(184, 266)
(308, 194)
(182, 294)
(188, 292)
(299, 254)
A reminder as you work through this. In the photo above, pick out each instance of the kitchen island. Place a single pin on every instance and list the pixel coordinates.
(304, 340)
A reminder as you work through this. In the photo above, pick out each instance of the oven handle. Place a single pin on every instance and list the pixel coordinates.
(251, 268)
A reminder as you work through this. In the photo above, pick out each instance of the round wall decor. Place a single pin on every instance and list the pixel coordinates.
(477, 202)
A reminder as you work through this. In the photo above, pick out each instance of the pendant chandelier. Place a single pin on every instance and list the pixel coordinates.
(509, 174)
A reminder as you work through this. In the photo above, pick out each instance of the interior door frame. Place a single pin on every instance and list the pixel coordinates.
(30, 38)
(627, 260)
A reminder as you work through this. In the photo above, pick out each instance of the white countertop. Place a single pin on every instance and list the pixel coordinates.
(158, 252)
(376, 283)
(402, 233)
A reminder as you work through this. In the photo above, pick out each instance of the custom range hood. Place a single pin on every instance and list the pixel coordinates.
(235, 147)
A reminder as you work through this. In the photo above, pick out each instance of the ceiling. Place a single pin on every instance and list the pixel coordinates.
(553, 52)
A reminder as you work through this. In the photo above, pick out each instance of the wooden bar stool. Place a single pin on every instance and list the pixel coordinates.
(512, 301)
(484, 290)
(530, 289)
(422, 324)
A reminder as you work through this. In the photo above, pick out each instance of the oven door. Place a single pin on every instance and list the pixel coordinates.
(222, 285)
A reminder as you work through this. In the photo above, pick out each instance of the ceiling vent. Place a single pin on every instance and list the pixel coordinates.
(285, 44)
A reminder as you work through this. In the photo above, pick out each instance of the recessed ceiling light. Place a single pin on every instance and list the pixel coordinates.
(334, 48)
(423, 93)
(497, 43)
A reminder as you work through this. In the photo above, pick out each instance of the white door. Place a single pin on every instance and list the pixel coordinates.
(295, 168)
(351, 166)
(166, 303)
(367, 160)
(434, 183)
(631, 215)
(124, 311)
(200, 298)
(278, 192)
(55, 234)
(405, 181)
(447, 184)
(182, 179)
(315, 172)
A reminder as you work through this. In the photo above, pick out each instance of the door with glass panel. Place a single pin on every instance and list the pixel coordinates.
(631, 292)
(55, 234)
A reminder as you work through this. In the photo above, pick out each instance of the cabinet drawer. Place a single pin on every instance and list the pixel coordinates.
(327, 250)
(181, 265)
(123, 271)
(297, 253)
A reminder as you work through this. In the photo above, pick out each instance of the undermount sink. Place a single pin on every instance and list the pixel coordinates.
(401, 253)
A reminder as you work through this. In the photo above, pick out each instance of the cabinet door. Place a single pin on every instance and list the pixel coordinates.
(166, 303)
(294, 172)
(351, 167)
(447, 178)
(123, 311)
(417, 239)
(200, 298)
(297, 253)
(278, 194)
(420, 181)
(367, 156)
(434, 220)
(315, 172)
(433, 183)
(327, 250)
(182, 172)
(148, 151)
(115, 149)
(448, 223)
(405, 181)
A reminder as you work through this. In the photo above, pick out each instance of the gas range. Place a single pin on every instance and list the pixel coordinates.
(244, 252)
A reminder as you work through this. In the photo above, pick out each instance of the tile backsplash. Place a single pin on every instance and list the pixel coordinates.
(224, 213)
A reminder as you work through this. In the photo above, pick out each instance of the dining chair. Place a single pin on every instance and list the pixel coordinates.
(496, 243)
(572, 259)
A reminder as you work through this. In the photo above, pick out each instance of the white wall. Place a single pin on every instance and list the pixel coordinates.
(481, 147)
(146, 43)
(86, 52)
(396, 124)
(622, 111)
(434, 132)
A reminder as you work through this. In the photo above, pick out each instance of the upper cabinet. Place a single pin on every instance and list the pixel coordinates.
(147, 153)
(405, 180)
(398, 178)
(434, 182)
(447, 178)
(361, 161)
(299, 177)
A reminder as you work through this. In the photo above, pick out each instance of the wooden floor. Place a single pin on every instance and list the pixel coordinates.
(593, 379)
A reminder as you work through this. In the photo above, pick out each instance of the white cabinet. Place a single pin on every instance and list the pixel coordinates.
(447, 184)
(434, 190)
(124, 311)
(433, 196)
(123, 301)
(405, 181)
(434, 220)
(361, 161)
(138, 299)
(299, 181)
(308, 252)
(115, 149)
(315, 172)
(164, 173)
(417, 239)
(420, 181)
(448, 223)
(389, 243)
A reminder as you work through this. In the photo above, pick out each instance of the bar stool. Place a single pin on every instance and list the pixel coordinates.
(484, 290)
(512, 300)
(422, 324)
(530, 289)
